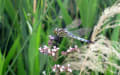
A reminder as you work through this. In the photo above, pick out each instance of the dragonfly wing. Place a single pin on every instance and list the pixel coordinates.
(74, 28)
(82, 31)
(75, 23)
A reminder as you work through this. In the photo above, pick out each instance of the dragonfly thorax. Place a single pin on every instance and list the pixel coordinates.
(60, 32)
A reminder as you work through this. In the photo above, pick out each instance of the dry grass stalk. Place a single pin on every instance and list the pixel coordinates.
(97, 56)
(108, 12)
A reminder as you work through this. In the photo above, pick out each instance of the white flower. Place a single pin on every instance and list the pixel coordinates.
(58, 66)
(44, 72)
(68, 65)
(62, 68)
(55, 47)
(45, 47)
(49, 51)
(69, 70)
(68, 50)
(53, 54)
(54, 50)
(76, 46)
(54, 70)
(40, 49)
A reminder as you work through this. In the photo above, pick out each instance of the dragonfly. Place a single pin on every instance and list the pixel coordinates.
(64, 32)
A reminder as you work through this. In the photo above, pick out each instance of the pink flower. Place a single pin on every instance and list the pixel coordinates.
(64, 53)
(53, 53)
(51, 37)
(54, 68)
(62, 68)
(69, 70)
(47, 50)
(51, 40)
(58, 66)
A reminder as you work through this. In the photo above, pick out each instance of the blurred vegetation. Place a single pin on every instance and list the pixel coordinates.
(26, 24)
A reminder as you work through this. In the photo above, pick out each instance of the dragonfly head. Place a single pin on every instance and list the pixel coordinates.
(60, 32)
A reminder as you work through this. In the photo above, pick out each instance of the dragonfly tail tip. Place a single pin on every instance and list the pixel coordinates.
(90, 41)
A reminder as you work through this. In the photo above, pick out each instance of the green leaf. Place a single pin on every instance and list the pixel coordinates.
(33, 53)
(115, 34)
(65, 14)
(2, 60)
(12, 52)
(11, 12)
(88, 11)
(20, 64)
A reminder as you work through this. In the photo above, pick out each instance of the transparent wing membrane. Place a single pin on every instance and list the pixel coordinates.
(69, 34)
(81, 31)
(73, 31)
(75, 24)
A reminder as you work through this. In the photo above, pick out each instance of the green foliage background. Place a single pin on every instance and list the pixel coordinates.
(19, 44)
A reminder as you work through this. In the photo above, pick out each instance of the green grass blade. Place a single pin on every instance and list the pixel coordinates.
(33, 53)
(115, 34)
(88, 11)
(11, 12)
(2, 60)
(65, 14)
(20, 65)
(2, 8)
(12, 52)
